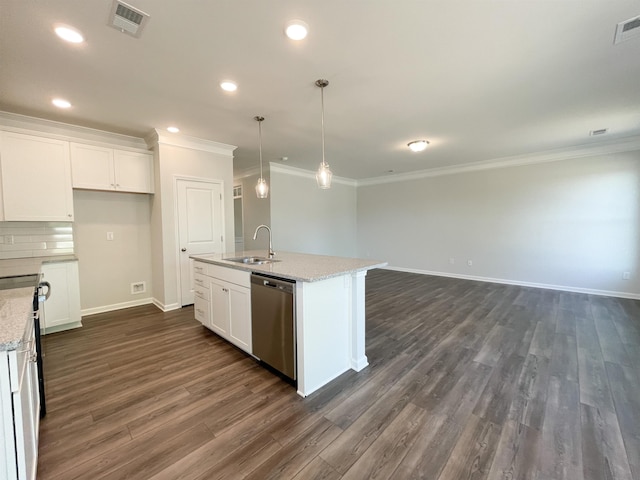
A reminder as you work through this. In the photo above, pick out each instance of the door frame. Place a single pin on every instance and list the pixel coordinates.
(176, 212)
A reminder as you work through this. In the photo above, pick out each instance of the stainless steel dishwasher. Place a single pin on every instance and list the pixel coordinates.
(273, 322)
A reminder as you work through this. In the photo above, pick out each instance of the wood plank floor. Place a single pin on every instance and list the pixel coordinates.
(467, 380)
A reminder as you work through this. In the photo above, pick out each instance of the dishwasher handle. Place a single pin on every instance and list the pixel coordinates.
(282, 284)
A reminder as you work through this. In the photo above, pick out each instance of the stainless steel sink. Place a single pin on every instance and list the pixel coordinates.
(251, 260)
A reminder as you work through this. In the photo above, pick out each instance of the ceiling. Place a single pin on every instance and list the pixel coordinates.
(480, 80)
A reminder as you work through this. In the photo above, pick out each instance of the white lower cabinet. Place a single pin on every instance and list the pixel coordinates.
(62, 308)
(19, 410)
(223, 303)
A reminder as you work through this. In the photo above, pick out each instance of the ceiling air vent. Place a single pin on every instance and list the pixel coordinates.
(127, 19)
(627, 30)
(601, 131)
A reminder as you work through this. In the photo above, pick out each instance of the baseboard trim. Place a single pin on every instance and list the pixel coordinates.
(116, 306)
(563, 288)
(60, 328)
(166, 308)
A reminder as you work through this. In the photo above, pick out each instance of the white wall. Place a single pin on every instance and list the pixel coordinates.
(572, 223)
(256, 211)
(179, 160)
(307, 219)
(107, 268)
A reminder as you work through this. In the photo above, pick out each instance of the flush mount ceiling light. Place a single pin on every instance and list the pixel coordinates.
(262, 189)
(296, 30)
(323, 175)
(173, 129)
(69, 34)
(418, 145)
(228, 86)
(61, 103)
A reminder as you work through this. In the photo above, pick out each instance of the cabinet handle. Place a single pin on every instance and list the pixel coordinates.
(69, 215)
(200, 311)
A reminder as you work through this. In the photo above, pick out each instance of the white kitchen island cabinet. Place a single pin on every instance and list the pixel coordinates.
(329, 309)
(222, 303)
(36, 178)
(19, 397)
(100, 168)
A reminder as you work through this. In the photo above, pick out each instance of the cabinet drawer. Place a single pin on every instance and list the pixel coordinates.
(199, 267)
(201, 309)
(201, 281)
(202, 293)
(239, 277)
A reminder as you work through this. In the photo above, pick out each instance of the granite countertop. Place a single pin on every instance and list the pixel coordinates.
(294, 266)
(16, 309)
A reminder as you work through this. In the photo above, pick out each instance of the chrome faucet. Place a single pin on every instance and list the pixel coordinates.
(255, 235)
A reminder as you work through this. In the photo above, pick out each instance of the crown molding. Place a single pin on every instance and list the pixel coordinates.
(299, 172)
(157, 137)
(626, 144)
(64, 131)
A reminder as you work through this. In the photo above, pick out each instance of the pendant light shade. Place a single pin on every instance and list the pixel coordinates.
(323, 175)
(262, 189)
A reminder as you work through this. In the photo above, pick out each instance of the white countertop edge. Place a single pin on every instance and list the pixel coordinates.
(299, 261)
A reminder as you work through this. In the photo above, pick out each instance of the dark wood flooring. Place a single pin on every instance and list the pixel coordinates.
(467, 380)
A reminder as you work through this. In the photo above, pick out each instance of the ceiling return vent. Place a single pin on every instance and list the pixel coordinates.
(127, 19)
(627, 30)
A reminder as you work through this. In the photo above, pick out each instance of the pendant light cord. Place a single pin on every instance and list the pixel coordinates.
(260, 142)
(322, 121)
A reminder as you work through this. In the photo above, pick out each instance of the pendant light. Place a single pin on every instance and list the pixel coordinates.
(323, 175)
(262, 189)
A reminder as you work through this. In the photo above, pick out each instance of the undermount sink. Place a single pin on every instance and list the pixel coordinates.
(251, 260)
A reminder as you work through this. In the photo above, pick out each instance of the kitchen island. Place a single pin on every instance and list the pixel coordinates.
(329, 309)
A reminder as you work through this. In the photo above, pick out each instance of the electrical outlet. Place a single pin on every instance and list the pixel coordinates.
(8, 240)
(138, 287)
(469, 263)
(110, 236)
(626, 275)
(452, 261)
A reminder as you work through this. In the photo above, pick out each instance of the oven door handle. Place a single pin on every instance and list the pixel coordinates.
(47, 293)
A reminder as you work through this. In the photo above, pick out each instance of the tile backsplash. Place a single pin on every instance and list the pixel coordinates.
(35, 239)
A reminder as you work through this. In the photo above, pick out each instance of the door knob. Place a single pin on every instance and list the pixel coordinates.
(183, 249)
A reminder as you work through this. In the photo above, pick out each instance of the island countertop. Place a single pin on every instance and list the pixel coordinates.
(301, 267)
(16, 309)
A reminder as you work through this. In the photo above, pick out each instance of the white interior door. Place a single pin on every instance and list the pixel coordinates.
(200, 227)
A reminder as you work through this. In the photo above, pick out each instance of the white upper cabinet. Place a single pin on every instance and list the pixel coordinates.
(100, 168)
(36, 178)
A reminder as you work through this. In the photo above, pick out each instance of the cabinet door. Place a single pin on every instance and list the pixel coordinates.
(62, 308)
(26, 402)
(133, 171)
(240, 316)
(36, 178)
(92, 167)
(219, 307)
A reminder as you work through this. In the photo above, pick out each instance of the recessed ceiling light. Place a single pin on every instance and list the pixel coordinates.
(296, 29)
(61, 103)
(228, 86)
(69, 34)
(418, 145)
(173, 129)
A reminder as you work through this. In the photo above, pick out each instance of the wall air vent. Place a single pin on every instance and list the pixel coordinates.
(127, 19)
(627, 30)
